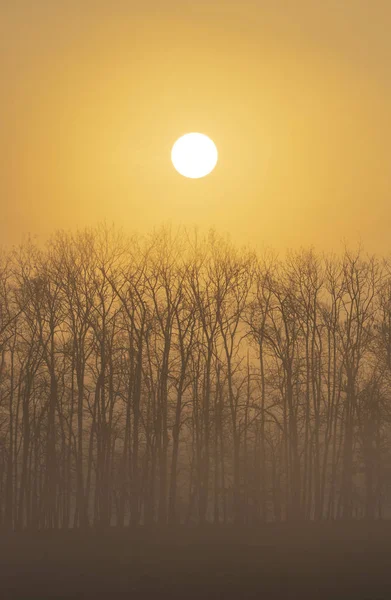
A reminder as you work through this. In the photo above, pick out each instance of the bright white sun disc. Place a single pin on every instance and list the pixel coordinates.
(194, 155)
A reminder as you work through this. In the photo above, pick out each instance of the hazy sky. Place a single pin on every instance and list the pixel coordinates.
(296, 95)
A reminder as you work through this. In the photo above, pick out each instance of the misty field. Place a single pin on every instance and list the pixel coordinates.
(343, 561)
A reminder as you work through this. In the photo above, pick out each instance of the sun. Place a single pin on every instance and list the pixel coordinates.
(194, 155)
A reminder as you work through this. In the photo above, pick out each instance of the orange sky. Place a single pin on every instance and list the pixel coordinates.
(296, 95)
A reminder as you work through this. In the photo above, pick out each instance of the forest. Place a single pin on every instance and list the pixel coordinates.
(177, 378)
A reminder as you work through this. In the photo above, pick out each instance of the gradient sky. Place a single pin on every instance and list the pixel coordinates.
(296, 95)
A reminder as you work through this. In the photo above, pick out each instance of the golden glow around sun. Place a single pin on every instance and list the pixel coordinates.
(194, 155)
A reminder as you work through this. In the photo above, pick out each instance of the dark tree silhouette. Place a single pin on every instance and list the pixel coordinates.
(177, 379)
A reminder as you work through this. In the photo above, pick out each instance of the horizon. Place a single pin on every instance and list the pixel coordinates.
(203, 233)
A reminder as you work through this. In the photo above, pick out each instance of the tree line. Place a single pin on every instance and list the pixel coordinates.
(176, 378)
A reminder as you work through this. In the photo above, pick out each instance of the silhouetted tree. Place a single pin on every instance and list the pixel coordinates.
(176, 378)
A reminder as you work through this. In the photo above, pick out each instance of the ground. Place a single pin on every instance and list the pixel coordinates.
(284, 562)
